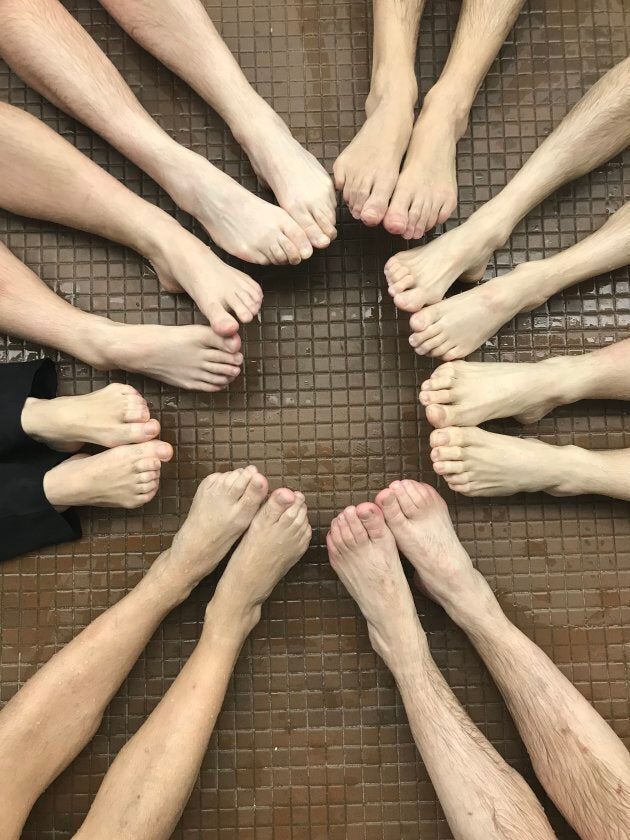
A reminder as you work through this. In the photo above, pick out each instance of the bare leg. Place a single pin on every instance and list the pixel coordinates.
(478, 463)
(184, 38)
(470, 393)
(483, 798)
(426, 192)
(42, 42)
(595, 130)
(583, 766)
(44, 176)
(193, 357)
(367, 170)
(146, 789)
(454, 327)
(57, 712)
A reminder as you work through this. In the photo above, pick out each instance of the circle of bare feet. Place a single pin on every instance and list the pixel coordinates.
(335, 353)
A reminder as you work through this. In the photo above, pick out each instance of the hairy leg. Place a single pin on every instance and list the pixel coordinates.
(192, 357)
(583, 766)
(182, 36)
(470, 393)
(49, 721)
(426, 191)
(44, 176)
(483, 798)
(454, 327)
(147, 787)
(42, 42)
(367, 170)
(594, 131)
(478, 463)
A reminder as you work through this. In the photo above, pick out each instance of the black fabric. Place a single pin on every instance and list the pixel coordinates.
(27, 519)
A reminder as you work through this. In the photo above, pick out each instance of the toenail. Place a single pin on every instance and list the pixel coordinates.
(164, 450)
(364, 514)
(413, 340)
(388, 499)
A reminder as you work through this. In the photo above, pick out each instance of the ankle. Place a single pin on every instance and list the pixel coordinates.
(63, 488)
(399, 91)
(451, 104)
(404, 650)
(478, 611)
(231, 617)
(36, 417)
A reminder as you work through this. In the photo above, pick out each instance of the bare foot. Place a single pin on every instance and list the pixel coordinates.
(277, 538)
(454, 327)
(238, 221)
(190, 356)
(419, 520)
(470, 393)
(367, 170)
(478, 463)
(110, 417)
(184, 264)
(426, 191)
(221, 512)
(299, 182)
(124, 477)
(363, 553)
(421, 276)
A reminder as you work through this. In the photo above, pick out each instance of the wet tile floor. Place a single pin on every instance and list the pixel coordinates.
(312, 742)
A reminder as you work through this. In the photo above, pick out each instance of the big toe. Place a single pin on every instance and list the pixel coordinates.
(221, 321)
(372, 519)
(279, 501)
(388, 503)
(440, 416)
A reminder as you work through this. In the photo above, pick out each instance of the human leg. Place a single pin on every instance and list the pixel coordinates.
(149, 783)
(482, 797)
(366, 171)
(426, 191)
(478, 463)
(455, 326)
(182, 36)
(42, 42)
(595, 130)
(470, 393)
(191, 356)
(46, 724)
(582, 764)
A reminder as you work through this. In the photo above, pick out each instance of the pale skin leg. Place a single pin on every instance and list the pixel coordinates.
(182, 36)
(192, 357)
(582, 764)
(147, 787)
(478, 463)
(58, 711)
(594, 131)
(454, 327)
(483, 797)
(470, 393)
(46, 46)
(44, 176)
(426, 191)
(367, 170)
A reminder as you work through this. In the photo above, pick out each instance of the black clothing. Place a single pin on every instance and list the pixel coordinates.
(27, 519)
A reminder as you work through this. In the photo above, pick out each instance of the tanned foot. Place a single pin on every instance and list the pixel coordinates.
(238, 221)
(419, 520)
(190, 356)
(478, 463)
(426, 191)
(276, 539)
(367, 170)
(124, 477)
(222, 510)
(458, 325)
(184, 264)
(422, 276)
(299, 182)
(470, 393)
(363, 554)
(113, 416)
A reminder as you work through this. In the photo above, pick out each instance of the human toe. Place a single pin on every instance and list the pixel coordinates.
(220, 320)
(279, 501)
(372, 520)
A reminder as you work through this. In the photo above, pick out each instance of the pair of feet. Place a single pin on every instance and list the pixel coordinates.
(229, 506)
(363, 545)
(413, 200)
(460, 395)
(126, 474)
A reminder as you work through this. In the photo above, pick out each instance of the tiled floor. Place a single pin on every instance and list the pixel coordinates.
(313, 741)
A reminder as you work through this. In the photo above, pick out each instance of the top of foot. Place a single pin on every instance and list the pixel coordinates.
(420, 522)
